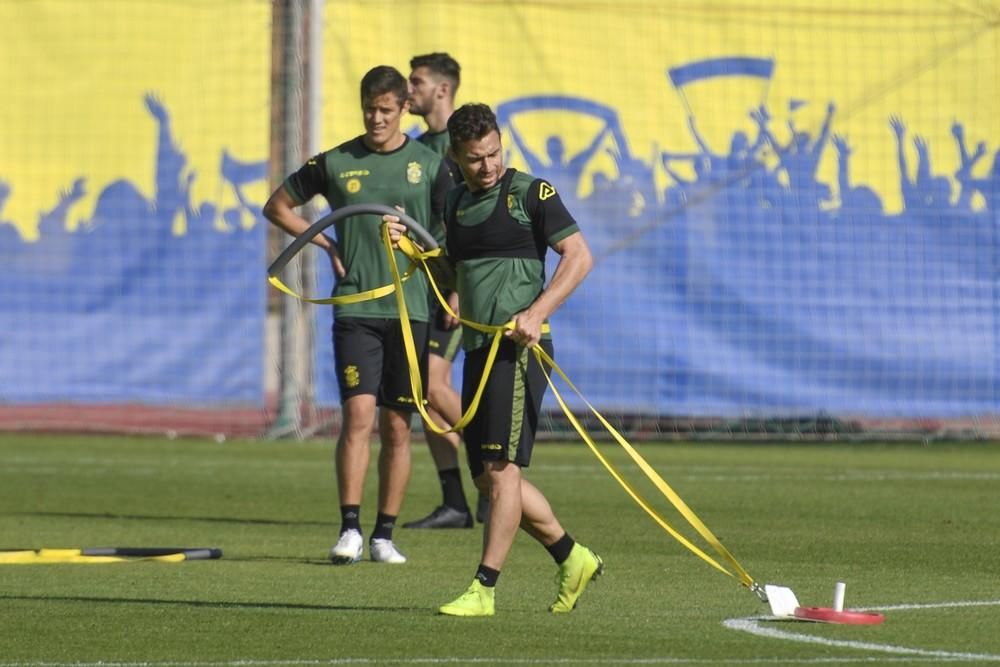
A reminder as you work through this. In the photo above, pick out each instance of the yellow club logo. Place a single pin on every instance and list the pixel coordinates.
(351, 376)
(545, 191)
(353, 186)
(414, 172)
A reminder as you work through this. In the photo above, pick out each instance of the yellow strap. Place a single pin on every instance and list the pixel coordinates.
(415, 255)
(367, 295)
(413, 361)
(47, 556)
(543, 358)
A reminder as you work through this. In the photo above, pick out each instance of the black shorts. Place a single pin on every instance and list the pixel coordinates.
(371, 359)
(441, 341)
(504, 426)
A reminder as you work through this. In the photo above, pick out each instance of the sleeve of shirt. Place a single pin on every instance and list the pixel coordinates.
(451, 203)
(548, 213)
(439, 195)
(310, 180)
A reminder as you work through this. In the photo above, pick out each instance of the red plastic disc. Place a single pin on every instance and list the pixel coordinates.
(830, 615)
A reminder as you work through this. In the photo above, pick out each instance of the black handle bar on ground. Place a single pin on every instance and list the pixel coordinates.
(191, 553)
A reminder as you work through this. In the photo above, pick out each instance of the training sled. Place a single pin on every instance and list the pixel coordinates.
(784, 605)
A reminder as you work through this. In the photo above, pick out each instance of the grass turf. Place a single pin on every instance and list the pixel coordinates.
(902, 524)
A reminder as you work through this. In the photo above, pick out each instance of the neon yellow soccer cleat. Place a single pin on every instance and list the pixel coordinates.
(582, 567)
(476, 601)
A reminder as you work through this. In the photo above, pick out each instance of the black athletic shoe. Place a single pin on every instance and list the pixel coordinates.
(482, 507)
(443, 517)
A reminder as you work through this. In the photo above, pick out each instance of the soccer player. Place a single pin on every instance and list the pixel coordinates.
(434, 78)
(500, 224)
(381, 166)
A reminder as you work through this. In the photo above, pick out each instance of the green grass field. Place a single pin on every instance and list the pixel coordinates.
(912, 529)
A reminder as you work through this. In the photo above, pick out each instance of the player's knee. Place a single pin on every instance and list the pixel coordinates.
(482, 484)
(436, 395)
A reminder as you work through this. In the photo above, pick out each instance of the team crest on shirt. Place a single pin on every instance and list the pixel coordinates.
(353, 186)
(510, 202)
(414, 172)
(545, 191)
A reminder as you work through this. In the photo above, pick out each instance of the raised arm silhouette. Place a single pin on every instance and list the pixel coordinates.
(562, 173)
(966, 163)
(908, 188)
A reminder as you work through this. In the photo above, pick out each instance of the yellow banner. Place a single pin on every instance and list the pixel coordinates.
(172, 98)
(930, 63)
(148, 95)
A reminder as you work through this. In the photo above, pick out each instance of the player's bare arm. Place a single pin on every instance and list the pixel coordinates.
(575, 262)
(280, 210)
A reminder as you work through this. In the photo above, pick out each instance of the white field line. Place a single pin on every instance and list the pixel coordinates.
(753, 626)
(749, 624)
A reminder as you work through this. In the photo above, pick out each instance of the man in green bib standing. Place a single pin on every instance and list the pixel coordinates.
(434, 78)
(382, 166)
(500, 223)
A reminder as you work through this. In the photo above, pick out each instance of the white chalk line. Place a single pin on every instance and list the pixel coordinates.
(752, 625)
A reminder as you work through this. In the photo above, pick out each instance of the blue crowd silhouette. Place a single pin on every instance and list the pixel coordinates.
(744, 283)
(149, 298)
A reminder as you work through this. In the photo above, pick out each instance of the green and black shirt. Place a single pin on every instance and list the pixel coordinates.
(498, 239)
(439, 142)
(413, 177)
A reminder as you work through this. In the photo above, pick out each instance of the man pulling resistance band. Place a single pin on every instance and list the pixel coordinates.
(500, 224)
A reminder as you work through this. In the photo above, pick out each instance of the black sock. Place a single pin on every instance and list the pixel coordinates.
(384, 523)
(451, 489)
(487, 576)
(350, 518)
(560, 548)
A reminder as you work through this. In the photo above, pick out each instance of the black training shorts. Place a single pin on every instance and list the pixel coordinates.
(504, 426)
(371, 359)
(441, 341)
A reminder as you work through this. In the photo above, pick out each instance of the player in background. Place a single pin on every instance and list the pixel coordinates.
(434, 79)
(382, 166)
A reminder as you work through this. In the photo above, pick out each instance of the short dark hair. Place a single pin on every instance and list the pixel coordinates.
(441, 64)
(471, 121)
(381, 80)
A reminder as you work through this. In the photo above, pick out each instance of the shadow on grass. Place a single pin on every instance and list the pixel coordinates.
(207, 604)
(145, 517)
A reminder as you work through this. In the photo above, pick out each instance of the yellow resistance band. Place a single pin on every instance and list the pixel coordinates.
(544, 359)
(413, 360)
(416, 256)
(367, 295)
(46, 556)
(664, 488)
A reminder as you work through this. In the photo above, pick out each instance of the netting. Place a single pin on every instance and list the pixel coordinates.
(134, 139)
(792, 220)
(792, 205)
